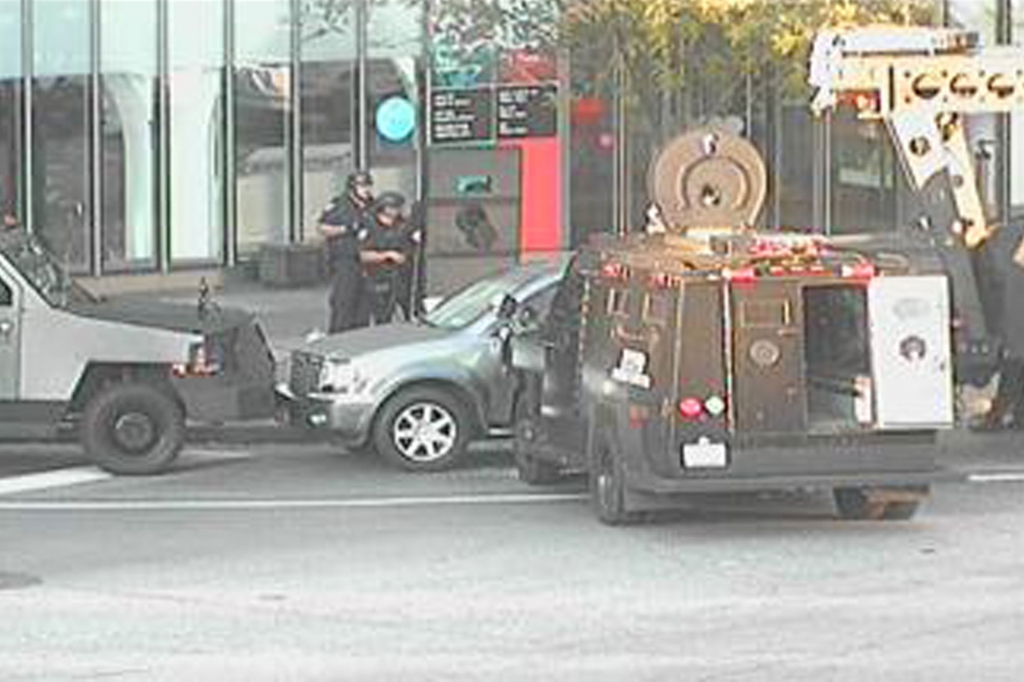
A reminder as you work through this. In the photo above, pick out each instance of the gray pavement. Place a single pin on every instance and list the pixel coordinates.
(305, 562)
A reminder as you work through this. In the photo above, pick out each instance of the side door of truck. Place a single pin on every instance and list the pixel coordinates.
(10, 340)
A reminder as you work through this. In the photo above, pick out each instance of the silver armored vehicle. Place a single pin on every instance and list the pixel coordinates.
(125, 376)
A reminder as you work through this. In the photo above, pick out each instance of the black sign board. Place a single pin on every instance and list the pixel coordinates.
(460, 116)
(527, 111)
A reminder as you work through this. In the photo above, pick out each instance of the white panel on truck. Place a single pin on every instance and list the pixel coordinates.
(911, 351)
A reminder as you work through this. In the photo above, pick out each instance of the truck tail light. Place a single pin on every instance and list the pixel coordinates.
(691, 408)
(715, 406)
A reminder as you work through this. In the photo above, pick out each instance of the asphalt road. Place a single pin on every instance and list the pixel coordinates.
(295, 562)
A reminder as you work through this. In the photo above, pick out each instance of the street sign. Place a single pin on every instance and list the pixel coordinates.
(462, 116)
(527, 111)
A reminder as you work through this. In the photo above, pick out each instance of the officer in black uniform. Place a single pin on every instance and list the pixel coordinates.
(341, 224)
(387, 251)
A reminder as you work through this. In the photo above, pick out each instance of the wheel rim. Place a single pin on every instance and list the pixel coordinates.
(425, 432)
(606, 493)
(134, 432)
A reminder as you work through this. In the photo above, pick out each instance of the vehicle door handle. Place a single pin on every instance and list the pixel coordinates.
(6, 329)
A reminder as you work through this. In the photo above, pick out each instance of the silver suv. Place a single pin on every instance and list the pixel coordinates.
(420, 392)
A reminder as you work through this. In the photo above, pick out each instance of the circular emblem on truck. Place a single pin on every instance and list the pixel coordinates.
(764, 353)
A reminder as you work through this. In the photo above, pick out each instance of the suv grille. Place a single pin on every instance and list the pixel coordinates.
(305, 373)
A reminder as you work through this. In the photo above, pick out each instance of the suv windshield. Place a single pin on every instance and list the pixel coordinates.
(468, 305)
(36, 264)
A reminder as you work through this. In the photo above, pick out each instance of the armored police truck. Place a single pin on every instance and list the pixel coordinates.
(125, 376)
(706, 357)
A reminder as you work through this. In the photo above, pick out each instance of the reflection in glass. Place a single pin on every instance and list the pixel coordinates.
(60, 111)
(1017, 126)
(327, 89)
(863, 176)
(128, 86)
(196, 54)
(10, 110)
(262, 83)
(394, 46)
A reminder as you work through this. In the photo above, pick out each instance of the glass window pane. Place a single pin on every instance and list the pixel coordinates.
(60, 136)
(128, 85)
(976, 15)
(1017, 127)
(394, 37)
(196, 55)
(10, 110)
(262, 118)
(794, 150)
(328, 99)
(863, 175)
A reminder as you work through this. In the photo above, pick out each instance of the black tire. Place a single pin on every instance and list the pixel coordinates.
(607, 482)
(854, 504)
(533, 470)
(133, 429)
(900, 511)
(530, 468)
(451, 430)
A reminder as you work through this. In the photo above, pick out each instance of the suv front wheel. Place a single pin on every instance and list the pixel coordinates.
(423, 429)
(133, 429)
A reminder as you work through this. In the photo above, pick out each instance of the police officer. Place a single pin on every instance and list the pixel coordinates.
(341, 223)
(386, 252)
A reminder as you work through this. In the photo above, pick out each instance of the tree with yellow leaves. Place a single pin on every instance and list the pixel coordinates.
(682, 49)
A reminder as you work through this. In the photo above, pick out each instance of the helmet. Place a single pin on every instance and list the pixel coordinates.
(390, 200)
(360, 177)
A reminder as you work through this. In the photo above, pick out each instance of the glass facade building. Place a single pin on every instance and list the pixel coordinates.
(158, 135)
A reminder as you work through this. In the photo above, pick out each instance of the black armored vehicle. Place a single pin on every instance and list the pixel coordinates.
(716, 359)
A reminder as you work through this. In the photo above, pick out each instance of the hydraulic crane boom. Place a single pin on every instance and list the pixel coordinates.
(921, 82)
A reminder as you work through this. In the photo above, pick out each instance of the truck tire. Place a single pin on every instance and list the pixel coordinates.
(531, 469)
(133, 429)
(534, 471)
(854, 504)
(607, 482)
(900, 511)
(423, 429)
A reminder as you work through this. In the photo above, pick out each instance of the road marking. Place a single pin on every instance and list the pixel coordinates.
(997, 477)
(264, 504)
(58, 478)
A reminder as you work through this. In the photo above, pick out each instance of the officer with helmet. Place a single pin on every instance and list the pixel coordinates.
(390, 251)
(342, 222)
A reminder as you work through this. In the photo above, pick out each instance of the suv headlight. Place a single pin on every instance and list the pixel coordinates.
(340, 376)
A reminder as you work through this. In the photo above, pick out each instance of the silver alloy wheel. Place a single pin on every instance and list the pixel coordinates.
(424, 432)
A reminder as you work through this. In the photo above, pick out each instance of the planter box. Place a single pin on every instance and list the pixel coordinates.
(291, 265)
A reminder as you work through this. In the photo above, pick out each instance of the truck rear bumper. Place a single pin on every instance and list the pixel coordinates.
(726, 484)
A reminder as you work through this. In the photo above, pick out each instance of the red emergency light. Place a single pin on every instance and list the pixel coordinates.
(614, 271)
(864, 101)
(860, 271)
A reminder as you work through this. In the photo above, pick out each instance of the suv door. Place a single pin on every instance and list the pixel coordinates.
(10, 338)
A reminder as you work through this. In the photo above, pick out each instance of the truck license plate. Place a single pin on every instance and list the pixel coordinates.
(705, 455)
